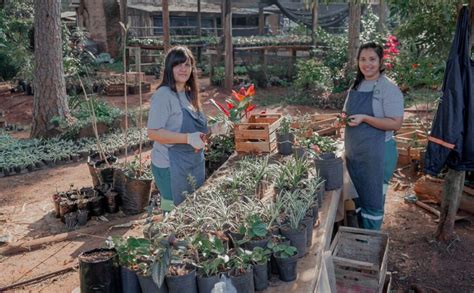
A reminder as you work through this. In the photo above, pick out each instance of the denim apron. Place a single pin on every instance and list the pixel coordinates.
(365, 150)
(185, 162)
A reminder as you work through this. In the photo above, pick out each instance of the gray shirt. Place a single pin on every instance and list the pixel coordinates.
(165, 113)
(387, 100)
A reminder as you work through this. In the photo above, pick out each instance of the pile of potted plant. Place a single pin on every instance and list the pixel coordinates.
(285, 137)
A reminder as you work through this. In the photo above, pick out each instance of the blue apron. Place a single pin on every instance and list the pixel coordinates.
(184, 160)
(365, 150)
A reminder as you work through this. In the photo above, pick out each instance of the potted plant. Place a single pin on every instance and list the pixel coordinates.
(241, 270)
(285, 137)
(295, 230)
(286, 259)
(181, 277)
(255, 232)
(260, 258)
(99, 268)
(327, 164)
(138, 179)
(129, 251)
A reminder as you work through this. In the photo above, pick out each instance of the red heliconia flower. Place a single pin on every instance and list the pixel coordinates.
(238, 96)
(220, 107)
(242, 91)
(250, 91)
(230, 105)
(250, 108)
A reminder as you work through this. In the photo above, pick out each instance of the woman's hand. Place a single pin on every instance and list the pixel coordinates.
(355, 120)
(195, 139)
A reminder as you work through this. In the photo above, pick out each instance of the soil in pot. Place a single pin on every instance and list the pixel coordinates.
(184, 282)
(129, 280)
(243, 283)
(260, 276)
(206, 284)
(148, 285)
(99, 271)
(287, 267)
(297, 238)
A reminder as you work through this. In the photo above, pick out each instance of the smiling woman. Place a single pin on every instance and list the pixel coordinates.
(177, 125)
(374, 109)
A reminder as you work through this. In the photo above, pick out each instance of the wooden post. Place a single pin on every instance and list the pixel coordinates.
(382, 15)
(354, 32)
(199, 29)
(229, 58)
(292, 60)
(451, 197)
(166, 25)
(314, 22)
(261, 20)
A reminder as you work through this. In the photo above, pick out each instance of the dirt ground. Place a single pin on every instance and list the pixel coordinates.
(418, 263)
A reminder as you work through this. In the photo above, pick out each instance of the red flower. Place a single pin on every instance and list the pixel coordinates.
(414, 65)
(250, 108)
(230, 105)
(242, 91)
(250, 91)
(238, 96)
(220, 107)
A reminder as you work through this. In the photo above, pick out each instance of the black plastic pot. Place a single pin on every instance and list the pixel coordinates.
(186, 283)
(273, 264)
(147, 285)
(71, 220)
(260, 276)
(331, 171)
(130, 282)
(136, 195)
(308, 222)
(251, 244)
(285, 143)
(297, 238)
(96, 206)
(234, 238)
(111, 202)
(66, 207)
(99, 271)
(299, 152)
(243, 283)
(82, 217)
(206, 284)
(287, 267)
(100, 171)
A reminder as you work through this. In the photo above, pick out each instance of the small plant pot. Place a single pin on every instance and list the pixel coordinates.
(308, 222)
(148, 285)
(243, 283)
(287, 267)
(82, 217)
(111, 199)
(186, 283)
(136, 195)
(129, 280)
(65, 207)
(260, 276)
(99, 271)
(299, 152)
(56, 201)
(297, 238)
(71, 220)
(285, 143)
(331, 171)
(250, 245)
(234, 238)
(206, 284)
(96, 206)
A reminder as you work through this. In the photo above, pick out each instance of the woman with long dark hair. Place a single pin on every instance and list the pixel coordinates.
(374, 107)
(177, 126)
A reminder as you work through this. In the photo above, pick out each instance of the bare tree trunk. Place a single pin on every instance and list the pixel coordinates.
(382, 15)
(451, 197)
(354, 32)
(49, 84)
(166, 25)
(314, 27)
(229, 58)
(112, 27)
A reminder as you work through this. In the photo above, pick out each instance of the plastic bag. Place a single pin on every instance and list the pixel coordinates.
(224, 286)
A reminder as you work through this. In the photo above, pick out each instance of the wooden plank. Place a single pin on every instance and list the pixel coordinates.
(245, 134)
(252, 147)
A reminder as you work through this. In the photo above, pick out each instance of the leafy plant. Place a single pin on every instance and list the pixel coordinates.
(137, 169)
(283, 250)
(285, 125)
(260, 255)
(130, 250)
(235, 108)
(253, 228)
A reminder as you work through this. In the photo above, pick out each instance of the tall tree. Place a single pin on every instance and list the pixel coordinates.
(354, 32)
(49, 84)
(229, 50)
(166, 24)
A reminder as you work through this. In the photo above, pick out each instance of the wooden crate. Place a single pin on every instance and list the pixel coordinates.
(135, 89)
(408, 149)
(115, 89)
(257, 134)
(360, 259)
(319, 123)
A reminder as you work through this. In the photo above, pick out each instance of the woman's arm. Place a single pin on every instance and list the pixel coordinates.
(387, 123)
(164, 136)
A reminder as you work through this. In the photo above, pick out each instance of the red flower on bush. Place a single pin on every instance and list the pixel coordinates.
(391, 51)
(239, 106)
